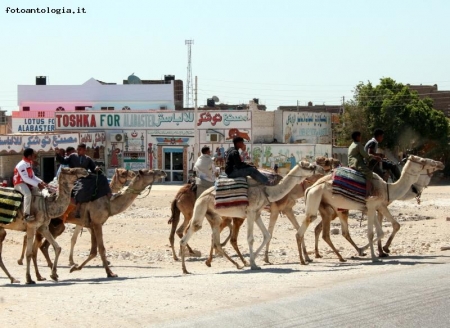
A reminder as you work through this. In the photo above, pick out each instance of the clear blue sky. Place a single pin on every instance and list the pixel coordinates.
(278, 51)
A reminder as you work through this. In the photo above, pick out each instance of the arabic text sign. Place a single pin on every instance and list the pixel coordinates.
(33, 125)
(306, 126)
(38, 142)
(93, 139)
(155, 120)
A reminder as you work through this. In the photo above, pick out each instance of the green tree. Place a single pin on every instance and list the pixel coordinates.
(408, 121)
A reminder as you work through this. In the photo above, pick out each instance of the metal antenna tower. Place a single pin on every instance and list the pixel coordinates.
(189, 88)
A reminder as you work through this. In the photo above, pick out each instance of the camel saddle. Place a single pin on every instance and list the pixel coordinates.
(349, 184)
(230, 192)
(90, 188)
(10, 202)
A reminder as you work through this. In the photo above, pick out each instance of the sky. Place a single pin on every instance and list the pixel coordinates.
(282, 52)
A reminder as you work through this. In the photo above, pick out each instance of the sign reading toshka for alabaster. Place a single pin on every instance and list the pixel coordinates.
(143, 120)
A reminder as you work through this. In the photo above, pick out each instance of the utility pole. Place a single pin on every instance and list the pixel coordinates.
(196, 141)
(189, 91)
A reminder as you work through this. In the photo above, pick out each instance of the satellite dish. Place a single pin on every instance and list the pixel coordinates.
(133, 79)
(215, 98)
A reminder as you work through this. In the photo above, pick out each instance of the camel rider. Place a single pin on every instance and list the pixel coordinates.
(371, 148)
(206, 171)
(24, 181)
(69, 150)
(80, 159)
(235, 167)
(356, 157)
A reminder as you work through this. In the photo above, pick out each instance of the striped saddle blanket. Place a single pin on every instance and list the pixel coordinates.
(231, 192)
(350, 184)
(10, 201)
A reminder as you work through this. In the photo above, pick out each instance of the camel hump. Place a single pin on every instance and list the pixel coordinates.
(231, 192)
(350, 184)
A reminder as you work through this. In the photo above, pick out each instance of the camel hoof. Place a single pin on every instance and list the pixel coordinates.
(72, 263)
(186, 271)
(268, 262)
(361, 253)
(15, 281)
(246, 264)
(176, 258)
(74, 268)
(383, 255)
(255, 267)
(318, 256)
(208, 264)
(386, 249)
(41, 279)
(239, 267)
(303, 263)
(342, 260)
(19, 262)
(30, 282)
(54, 277)
(309, 260)
(112, 275)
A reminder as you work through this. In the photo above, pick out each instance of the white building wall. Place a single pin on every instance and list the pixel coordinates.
(278, 125)
(262, 126)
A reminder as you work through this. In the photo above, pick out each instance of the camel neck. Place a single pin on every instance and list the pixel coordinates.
(57, 207)
(277, 192)
(402, 185)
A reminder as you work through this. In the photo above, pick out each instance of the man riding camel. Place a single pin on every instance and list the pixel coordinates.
(24, 181)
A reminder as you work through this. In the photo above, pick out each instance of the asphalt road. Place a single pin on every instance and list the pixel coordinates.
(416, 297)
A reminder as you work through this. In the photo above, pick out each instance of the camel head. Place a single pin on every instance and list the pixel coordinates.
(146, 178)
(69, 176)
(416, 164)
(124, 175)
(306, 168)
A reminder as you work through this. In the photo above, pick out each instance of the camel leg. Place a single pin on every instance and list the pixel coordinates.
(317, 232)
(326, 225)
(196, 224)
(395, 227)
(56, 228)
(174, 222)
(37, 243)
(24, 247)
(291, 216)
(181, 230)
(73, 241)
(46, 233)
(29, 254)
(92, 254)
(266, 235)
(237, 223)
(2, 238)
(225, 221)
(371, 220)
(273, 220)
(301, 233)
(98, 231)
(215, 224)
(381, 253)
(44, 249)
(343, 218)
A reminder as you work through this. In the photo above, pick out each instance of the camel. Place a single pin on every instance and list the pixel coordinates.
(328, 215)
(94, 214)
(44, 210)
(321, 194)
(258, 196)
(57, 226)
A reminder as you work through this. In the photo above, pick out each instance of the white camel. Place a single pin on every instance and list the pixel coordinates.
(321, 194)
(328, 214)
(258, 196)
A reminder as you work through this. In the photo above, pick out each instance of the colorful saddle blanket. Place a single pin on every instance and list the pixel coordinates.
(10, 201)
(231, 192)
(350, 184)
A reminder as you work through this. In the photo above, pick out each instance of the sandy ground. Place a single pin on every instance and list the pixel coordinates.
(151, 288)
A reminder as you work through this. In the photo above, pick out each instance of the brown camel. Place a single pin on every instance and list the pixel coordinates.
(94, 214)
(57, 226)
(44, 210)
(328, 214)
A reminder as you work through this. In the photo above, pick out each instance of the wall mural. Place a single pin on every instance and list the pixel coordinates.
(306, 127)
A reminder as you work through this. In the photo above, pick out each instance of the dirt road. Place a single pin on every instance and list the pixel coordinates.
(152, 290)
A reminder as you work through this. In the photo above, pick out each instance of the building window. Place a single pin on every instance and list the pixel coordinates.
(41, 114)
(107, 108)
(80, 107)
(26, 109)
(60, 109)
(125, 108)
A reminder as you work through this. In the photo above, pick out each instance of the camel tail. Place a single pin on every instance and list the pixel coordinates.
(175, 211)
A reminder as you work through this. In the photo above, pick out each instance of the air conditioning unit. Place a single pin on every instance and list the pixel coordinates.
(117, 137)
(212, 137)
(163, 107)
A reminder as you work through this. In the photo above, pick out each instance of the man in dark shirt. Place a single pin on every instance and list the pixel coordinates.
(371, 148)
(80, 159)
(235, 167)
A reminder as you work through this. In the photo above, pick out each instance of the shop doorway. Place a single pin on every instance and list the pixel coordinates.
(48, 169)
(173, 164)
